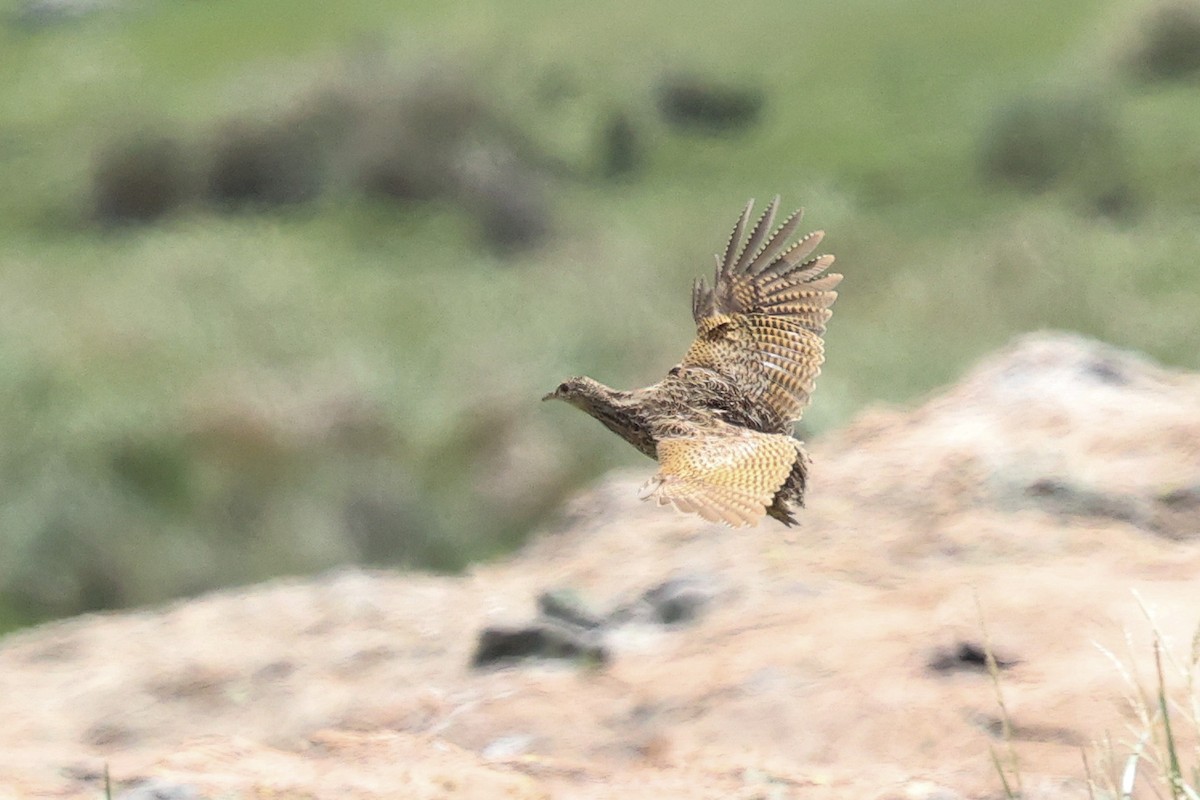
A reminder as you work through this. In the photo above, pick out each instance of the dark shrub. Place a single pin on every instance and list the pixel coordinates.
(410, 138)
(1170, 43)
(397, 167)
(157, 472)
(510, 209)
(695, 103)
(620, 147)
(1035, 141)
(140, 180)
(264, 164)
(386, 531)
(34, 15)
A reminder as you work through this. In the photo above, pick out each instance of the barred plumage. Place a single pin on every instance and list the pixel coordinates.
(720, 423)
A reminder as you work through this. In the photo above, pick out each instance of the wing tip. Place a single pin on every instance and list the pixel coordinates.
(726, 262)
(758, 235)
(651, 487)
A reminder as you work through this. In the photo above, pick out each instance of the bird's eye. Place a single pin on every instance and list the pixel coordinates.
(562, 389)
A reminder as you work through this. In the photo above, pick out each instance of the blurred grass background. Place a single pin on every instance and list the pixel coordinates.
(281, 284)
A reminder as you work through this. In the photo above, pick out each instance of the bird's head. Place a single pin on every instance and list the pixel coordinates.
(572, 390)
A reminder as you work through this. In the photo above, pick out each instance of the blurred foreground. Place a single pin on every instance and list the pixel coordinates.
(841, 659)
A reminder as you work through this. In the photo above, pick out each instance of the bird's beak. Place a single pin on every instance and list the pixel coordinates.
(550, 396)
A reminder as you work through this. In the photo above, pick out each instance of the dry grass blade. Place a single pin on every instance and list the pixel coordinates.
(1174, 773)
(1087, 771)
(1005, 722)
(1129, 774)
(1160, 738)
(1008, 791)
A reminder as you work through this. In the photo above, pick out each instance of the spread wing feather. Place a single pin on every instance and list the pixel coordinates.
(760, 324)
(726, 474)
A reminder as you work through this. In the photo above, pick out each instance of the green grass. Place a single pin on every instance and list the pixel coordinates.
(174, 392)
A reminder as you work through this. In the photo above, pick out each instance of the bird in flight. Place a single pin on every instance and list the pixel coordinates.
(720, 423)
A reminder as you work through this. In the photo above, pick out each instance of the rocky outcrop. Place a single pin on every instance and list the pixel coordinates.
(1043, 506)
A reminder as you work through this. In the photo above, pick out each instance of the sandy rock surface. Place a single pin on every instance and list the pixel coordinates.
(1043, 495)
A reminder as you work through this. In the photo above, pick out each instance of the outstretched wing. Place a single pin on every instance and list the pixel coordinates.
(725, 474)
(760, 324)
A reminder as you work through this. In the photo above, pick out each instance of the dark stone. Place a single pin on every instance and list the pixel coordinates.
(677, 601)
(1182, 498)
(1107, 370)
(1057, 496)
(565, 606)
(966, 657)
(538, 640)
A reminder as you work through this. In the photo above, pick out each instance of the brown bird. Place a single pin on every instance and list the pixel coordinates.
(720, 422)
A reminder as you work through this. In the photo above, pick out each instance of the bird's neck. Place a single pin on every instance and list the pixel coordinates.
(617, 411)
(602, 402)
